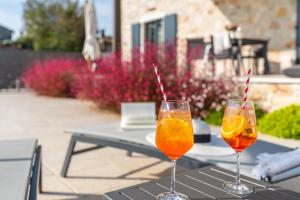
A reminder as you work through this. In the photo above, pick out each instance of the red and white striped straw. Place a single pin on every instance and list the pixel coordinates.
(159, 82)
(246, 88)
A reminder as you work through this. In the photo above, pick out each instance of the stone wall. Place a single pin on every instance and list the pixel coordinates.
(273, 19)
(268, 19)
(274, 91)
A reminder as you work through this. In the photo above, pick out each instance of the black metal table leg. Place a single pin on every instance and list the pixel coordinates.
(68, 156)
(266, 61)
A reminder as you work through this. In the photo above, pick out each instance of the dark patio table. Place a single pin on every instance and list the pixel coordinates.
(251, 41)
(203, 183)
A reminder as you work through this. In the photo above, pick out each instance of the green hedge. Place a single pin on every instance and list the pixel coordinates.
(215, 117)
(284, 123)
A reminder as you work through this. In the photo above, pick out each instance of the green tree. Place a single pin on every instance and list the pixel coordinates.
(54, 24)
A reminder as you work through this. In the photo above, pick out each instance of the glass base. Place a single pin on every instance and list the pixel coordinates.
(238, 189)
(171, 196)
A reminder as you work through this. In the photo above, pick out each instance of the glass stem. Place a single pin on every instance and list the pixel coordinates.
(237, 179)
(173, 176)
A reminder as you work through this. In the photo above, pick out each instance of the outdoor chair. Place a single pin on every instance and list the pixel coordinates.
(259, 51)
(223, 49)
(20, 166)
(138, 115)
(219, 48)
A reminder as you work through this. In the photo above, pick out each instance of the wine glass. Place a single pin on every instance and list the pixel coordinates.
(174, 137)
(239, 131)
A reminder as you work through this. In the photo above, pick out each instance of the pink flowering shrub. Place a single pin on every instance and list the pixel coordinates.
(117, 81)
(53, 77)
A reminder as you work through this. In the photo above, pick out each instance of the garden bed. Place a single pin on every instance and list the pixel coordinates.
(135, 81)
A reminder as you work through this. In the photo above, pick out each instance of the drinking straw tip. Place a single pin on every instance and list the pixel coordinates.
(246, 88)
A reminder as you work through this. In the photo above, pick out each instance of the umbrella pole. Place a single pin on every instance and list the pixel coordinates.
(93, 66)
(89, 64)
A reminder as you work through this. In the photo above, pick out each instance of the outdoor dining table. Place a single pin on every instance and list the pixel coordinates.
(239, 42)
(203, 183)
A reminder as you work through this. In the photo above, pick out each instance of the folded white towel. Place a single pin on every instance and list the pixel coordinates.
(284, 175)
(269, 165)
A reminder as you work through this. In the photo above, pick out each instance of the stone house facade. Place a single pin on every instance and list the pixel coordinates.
(160, 20)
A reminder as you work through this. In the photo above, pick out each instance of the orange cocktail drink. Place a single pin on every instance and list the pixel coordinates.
(174, 137)
(239, 131)
(239, 127)
(174, 133)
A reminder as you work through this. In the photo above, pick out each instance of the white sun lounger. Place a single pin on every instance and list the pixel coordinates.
(111, 134)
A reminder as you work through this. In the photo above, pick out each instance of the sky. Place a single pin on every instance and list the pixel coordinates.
(11, 15)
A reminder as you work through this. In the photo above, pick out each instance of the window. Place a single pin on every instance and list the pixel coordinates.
(153, 32)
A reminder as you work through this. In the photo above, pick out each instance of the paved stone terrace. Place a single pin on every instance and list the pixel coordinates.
(25, 115)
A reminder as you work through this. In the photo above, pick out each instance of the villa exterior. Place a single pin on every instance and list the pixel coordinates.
(158, 21)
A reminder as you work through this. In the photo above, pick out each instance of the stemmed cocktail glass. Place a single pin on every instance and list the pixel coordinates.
(174, 137)
(239, 131)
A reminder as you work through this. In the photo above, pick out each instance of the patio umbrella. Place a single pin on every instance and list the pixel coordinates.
(91, 50)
